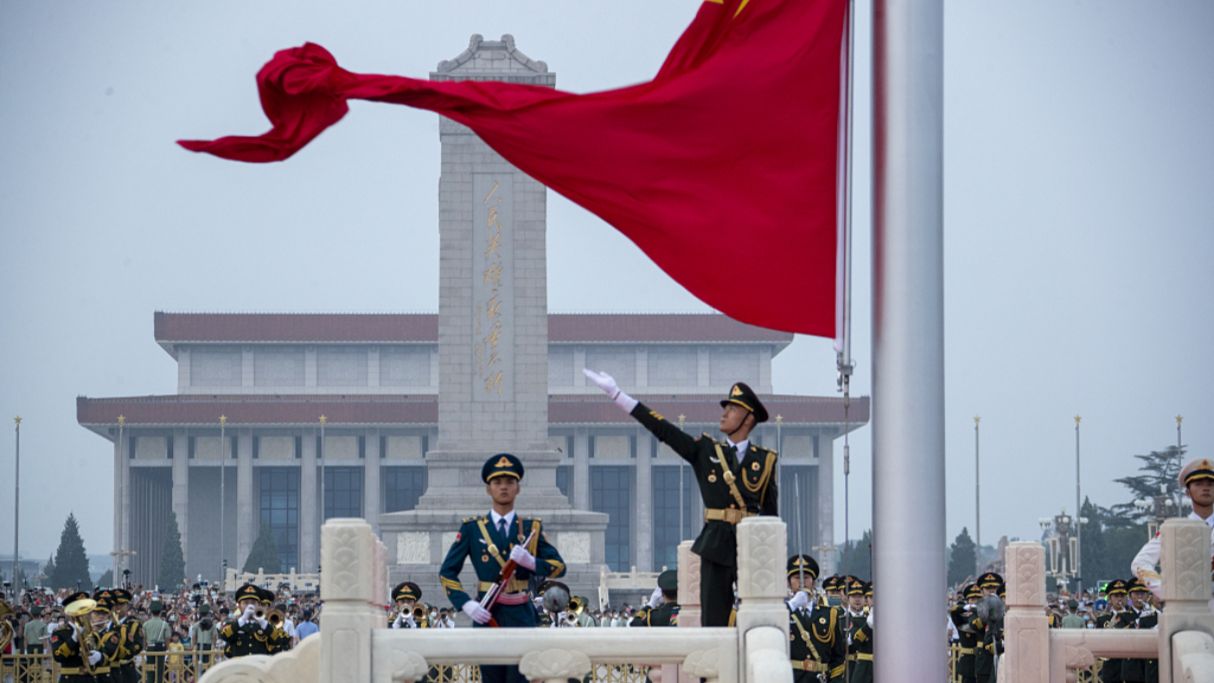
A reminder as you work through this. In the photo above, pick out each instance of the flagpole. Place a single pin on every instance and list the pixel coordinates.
(908, 337)
(223, 501)
(17, 506)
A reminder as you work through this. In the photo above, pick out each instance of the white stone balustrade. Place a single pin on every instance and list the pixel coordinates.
(1182, 643)
(355, 646)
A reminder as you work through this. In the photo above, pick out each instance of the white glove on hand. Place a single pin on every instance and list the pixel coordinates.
(477, 613)
(655, 598)
(799, 601)
(522, 558)
(607, 383)
(603, 381)
(94, 657)
(262, 623)
(138, 661)
(399, 620)
(870, 618)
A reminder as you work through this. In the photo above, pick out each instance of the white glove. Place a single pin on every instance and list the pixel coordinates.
(477, 613)
(870, 618)
(94, 657)
(607, 383)
(522, 558)
(655, 598)
(799, 601)
(399, 621)
(138, 661)
(262, 622)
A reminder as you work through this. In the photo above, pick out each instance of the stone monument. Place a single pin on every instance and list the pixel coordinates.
(493, 348)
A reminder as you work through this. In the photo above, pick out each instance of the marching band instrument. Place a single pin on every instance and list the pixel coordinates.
(80, 613)
(6, 629)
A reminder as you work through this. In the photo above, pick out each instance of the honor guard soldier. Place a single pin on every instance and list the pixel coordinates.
(817, 644)
(249, 633)
(736, 479)
(405, 596)
(1197, 480)
(859, 635)
(130, 638)
(666, 610)
(492, 540)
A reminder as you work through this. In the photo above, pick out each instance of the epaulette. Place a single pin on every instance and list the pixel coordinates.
(473, 518)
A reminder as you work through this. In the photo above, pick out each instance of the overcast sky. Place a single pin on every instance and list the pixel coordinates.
(1079, 221)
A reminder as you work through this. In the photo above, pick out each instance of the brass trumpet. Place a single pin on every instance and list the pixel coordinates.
(6, 629)
(79, 612)
(421, 615)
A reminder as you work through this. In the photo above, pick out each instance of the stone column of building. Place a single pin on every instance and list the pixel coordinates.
(825, 512)
(493, 342)
(246, 529)
(309, 519)
(181, 487)
(371, 461)
(121, 499)
(581, 469)
(643, 530)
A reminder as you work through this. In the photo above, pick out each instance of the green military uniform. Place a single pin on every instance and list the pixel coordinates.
(667, 613)
(34, 630)
(279, 640)
(817, 642)
(733, 485)
(250, 638)
(156, 637)
(1112, 671)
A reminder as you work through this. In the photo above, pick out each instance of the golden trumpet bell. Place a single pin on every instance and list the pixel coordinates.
(80, 608)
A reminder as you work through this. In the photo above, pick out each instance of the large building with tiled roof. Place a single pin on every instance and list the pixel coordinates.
(374, 378)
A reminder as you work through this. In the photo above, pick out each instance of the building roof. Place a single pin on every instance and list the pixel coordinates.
(172, 329)
(178, 410)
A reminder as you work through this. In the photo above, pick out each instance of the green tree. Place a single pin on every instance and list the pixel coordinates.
(857, 559)
(71, 562)
(962, 558)
(1092, 555)
(48, 570)
(264, 554)
(172, 560)
(1158, 476)
(107, 579)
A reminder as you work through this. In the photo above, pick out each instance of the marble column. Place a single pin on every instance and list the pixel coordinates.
(181, 488)
(825, 510)
(643, 502)
(309, 519)
(246, 529)
(371, 460)
(581, 469)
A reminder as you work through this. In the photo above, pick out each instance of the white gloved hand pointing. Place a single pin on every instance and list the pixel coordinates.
(603, 381)
(477, 613)
(522, 558)
(799, 601)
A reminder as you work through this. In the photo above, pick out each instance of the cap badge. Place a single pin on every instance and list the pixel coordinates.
(503, 462)
(736, 391)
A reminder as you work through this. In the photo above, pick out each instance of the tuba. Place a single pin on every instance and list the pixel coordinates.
(79, 612)
(6, 628)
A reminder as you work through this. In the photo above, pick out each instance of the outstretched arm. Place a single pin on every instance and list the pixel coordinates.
(678, 440)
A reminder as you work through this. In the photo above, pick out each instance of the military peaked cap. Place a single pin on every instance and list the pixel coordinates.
(1116, 587)
(1202, 468)
(668, 581)
(741, 394)
(78, 595)
(248, 592)
(803, 563)
(502, 465)
(406, 590)
(121, 596)
(990, 580)
(855, 586)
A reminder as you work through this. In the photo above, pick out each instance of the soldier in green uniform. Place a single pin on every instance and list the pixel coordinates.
(666, 611)
(817, 642)
(34, 631)
(156, 633)
(1148, 618)
(130, 638)
(249, 633)
(490, 541)
(859, 635)
(736, 478)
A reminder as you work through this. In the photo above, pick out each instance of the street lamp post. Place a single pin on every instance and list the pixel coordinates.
(17, 500)
(977, 500)
(1078, 510)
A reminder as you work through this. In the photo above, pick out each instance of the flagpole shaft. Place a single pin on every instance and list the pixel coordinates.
(17, 506)
(908, 336)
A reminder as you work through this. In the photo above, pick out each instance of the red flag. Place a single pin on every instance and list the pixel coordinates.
(723, 169)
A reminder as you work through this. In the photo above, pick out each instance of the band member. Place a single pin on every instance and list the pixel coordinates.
(817, 644)
(990, 627)
(85, 647)
(859, 634)
(491, 541)
(280, 639)
(405, 595)
(736, 478)
(130, 639)
(249, 633)
(663, 607)
(963, 616)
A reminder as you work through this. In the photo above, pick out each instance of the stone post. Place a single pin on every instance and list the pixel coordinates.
(643, 503)
(689, 586)
(354, 589)
(181, 489)
(246, 513)
(1026, 632)
(1185, 560)
(762, 616)
(309, 520)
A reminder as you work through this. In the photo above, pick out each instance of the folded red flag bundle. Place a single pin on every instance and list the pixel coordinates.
(723, 169)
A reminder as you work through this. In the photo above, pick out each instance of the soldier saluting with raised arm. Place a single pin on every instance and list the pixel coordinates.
(737, 480)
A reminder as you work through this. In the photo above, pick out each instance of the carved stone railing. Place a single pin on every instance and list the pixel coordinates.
(353, 645)
(1036, 653)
